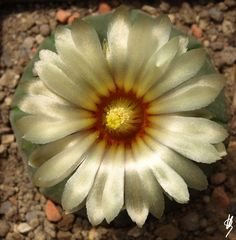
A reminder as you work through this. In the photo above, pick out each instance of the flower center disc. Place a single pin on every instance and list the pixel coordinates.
(120, 117)
(117, 118)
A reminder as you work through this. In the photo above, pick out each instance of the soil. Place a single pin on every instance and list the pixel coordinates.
(23, 210)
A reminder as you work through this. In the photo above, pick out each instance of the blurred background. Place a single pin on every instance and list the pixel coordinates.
(24, 212)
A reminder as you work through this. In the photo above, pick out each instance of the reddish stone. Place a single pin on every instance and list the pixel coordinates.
(62, 16)
(73, 17)
(104, 8)
(220, 197)
(33, 50)
(197, 31)
(218, 178)
(52, 212)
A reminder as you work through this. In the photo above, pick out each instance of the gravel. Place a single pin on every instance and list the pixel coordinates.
(4, 228)
(45, 30)
(216, 14)
(168, 232)
(66, 223)
(23, 210)
(190, 221)
(23, 227)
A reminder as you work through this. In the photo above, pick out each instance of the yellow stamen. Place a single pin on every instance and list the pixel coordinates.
(117, 117)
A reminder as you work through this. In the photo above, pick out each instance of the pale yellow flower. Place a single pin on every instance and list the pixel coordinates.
(119, 118)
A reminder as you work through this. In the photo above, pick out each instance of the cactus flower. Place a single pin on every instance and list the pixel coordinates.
(121, 118)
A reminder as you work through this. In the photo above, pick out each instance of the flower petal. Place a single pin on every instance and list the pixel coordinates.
(43, 105)
(47, 151)
(88, 45)
(220, 147)
(135, 202)
(141, 48)
(189, 97)
(198, 128)
(79, 185)
(78, 76)
(187, 146)
(190, 172)
(35, 87)
(154, 194)
(70, 55)
(94, 199)
(182, 69)
(158, 64)
(41, 130)
(57, 81)
(107, 188)
(113, 193)
(151, 189)
(169, 180)
(63, 164)
(117, 43)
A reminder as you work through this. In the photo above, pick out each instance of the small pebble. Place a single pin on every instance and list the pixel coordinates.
(7, 138)
(226, 56)
(172, 18)
(45, 30)
(217, 45)
(168, 232)
(187, 13)
(14, 236)
(52, 212)
(149, 9)
(218, 178)
(23, 227)
(216, 14)
(206, 43)
(64, 235)
(227, 27)
(31, 215)
(135, 232)
(104, 8)
(35, 29)
(28, 42)
(203, 24)
(5, 207)
(222, 6)
(73, 17)
(230, 3)
(66, 222)
(2, 150)
(196, 30)
(34, 222)
(4, 228)
(93, 234)
(62, 15)
(164, 6)
(39, 38)
(8, 102)
(190, 222)
(220, 197)
(26, 22)
(9, 79)
(2, 95)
